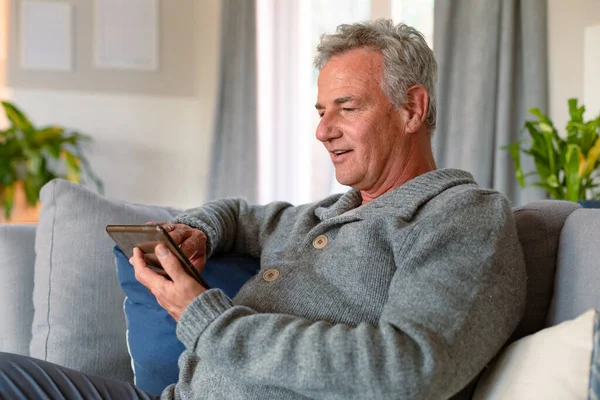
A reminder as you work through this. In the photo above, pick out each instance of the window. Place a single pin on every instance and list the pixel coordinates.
(294, 166)
(416, 13)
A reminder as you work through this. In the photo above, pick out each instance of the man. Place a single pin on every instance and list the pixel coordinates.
(404, 287)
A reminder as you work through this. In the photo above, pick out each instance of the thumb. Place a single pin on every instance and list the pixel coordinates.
(169, 262)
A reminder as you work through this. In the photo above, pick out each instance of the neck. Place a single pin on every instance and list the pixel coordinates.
(418, 160)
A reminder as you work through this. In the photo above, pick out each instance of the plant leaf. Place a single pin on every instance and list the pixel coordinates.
(591, 159)
(73, 169)
(553, 181)
(50, 133)
(550, 150)
(52, 148)
(556, 195)
(545, 127)
(7, 172)
(541, 116)
(572, 172)
(75, 138)
(588, 137)
(575, 112)
(17, 118)
(581, 166)
(8, 200)
(32, 189)
(515, 151)
(6, 135)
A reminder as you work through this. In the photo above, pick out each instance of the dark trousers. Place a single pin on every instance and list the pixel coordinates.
(27, 378)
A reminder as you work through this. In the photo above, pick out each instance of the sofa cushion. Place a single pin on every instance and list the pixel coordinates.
(562, 362)
(17, 257)
(78, 320)
(153, 343)
(539, 225)
(577, 283)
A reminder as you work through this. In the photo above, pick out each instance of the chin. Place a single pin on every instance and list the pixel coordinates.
(345, 180)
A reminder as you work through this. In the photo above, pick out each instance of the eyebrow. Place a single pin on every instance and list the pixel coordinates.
(339, 100)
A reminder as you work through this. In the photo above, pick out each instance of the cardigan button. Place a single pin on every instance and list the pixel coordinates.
(270, 275)
(320, 242)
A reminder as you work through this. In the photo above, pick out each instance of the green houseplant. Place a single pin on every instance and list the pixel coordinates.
(30, 157)
(567, 167)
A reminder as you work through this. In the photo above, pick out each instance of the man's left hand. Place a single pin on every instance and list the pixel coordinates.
(173, 296)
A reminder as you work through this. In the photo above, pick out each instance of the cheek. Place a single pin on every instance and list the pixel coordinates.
(380, 141)
(364, 131)
(373, 136)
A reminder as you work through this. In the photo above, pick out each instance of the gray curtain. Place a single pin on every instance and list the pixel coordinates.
(234, 163)
(492, 57)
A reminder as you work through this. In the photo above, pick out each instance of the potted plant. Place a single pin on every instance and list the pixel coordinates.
(567, 167)
(30, 157)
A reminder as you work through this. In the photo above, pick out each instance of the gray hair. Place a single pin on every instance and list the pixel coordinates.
(407, 58)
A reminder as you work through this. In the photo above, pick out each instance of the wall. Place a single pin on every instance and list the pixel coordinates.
(566, 23)
(177, 65)
(148, 148)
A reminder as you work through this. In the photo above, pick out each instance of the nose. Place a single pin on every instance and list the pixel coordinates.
(327, 129)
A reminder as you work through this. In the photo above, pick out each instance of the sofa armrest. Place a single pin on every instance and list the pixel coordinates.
(17, 259)
(577, 280)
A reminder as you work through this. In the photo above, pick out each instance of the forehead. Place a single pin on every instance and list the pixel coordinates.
(358, 68)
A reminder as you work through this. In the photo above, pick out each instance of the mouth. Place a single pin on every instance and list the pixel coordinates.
(339, 155)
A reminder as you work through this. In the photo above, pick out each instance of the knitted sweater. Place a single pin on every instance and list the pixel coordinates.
(406, 297)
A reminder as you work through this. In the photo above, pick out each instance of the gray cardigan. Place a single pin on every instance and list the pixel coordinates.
(406, 297)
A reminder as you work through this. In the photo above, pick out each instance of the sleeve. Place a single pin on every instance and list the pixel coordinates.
(233, 225)
(462, 295)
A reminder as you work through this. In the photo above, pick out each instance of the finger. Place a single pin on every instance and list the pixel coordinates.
(170, 263)
(180, 233)
(152, 260)
(196, 242)
(198, 260)
(167, 226)
(194, 249)
(145, 275)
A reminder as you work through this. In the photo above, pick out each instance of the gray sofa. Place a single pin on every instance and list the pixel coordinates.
(80, 323)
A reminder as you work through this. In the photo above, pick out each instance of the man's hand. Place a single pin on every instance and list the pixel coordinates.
(190, 240)
(174, 296)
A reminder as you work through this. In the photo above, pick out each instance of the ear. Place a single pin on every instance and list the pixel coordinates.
(416, 105)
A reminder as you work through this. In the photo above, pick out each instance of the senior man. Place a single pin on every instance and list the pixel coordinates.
(404, 287)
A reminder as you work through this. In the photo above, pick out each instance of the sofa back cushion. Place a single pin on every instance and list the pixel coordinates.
(17, 257)
(78, 320)
(577, 282)
(539, 225)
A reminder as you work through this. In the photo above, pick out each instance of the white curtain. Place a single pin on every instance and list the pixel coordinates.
(284, 82)
(293, 165)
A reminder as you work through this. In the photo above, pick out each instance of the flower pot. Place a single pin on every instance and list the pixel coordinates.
(589, 203)
(21, 212)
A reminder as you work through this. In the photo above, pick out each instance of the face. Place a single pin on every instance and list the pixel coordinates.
(360, 128)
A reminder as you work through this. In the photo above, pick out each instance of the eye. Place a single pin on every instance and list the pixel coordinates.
(348, 109)
(321, 114)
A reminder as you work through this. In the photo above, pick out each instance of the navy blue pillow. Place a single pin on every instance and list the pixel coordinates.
(153, 345)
